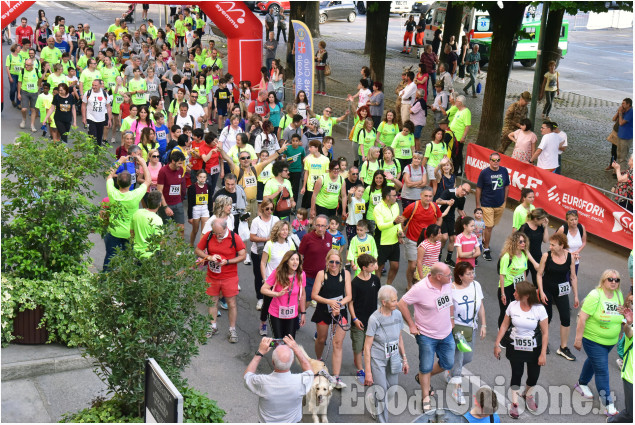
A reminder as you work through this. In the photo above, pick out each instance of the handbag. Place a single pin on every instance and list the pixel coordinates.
(467, 331)
(613, 137)
(327, 69)
(479, 87)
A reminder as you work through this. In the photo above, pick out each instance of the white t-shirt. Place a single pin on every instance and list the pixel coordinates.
(275, 251)
(261, 229)
(228, 137)
(267, 143)
(96, 105)
(548, 158)
(183, 121)
(464, 299)
(302, 109)
(196, 111)
(563, 138)
(208, 224)
(356, 211)
(364, 97)
(524, 322)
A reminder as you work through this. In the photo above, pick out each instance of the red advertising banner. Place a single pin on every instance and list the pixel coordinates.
(557, 194)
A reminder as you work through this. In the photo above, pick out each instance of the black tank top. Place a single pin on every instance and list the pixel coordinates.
(535, 240)
(332, 288)
(556, 273)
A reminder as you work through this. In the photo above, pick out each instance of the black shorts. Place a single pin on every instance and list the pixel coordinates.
(387, 253)
(146, 7)
(447, 226)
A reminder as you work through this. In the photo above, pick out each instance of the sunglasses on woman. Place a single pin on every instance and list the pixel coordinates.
(337, 263)
(155, 156)
(613, 279)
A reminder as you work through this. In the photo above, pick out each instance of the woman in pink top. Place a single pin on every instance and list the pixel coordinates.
(421, 80)
(286, 288)
(428, 250)
(525, 140)
(154, 165)
(143, 121)
(468, 248)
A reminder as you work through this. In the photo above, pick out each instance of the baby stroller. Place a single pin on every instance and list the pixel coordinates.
(128, 15)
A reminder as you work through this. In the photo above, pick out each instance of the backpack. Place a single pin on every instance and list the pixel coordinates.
(409, 166)
(242, 173)
(454, 146)
(231, 233)
(89, 92)
(580, 230)
(283, 206)
(166, 156)
(498, 264)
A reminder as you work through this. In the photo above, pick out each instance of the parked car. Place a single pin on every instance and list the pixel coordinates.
(274, 6)
(420, 7)
(330, 10)
(252, 5)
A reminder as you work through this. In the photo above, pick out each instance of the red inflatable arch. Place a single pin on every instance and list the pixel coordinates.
(241, 27)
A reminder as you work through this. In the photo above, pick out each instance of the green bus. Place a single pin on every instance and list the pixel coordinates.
(527, 48)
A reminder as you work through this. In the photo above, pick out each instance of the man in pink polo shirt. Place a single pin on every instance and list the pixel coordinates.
(432, 327)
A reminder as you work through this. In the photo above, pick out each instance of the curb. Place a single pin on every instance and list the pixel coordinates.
(31, 368)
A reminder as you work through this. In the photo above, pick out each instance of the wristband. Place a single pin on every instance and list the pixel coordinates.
(303, 312)
(354, 319)
(258, 353)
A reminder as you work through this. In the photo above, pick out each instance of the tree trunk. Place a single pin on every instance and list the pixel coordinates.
(552, 37)
(369, 28)
(297, 13)
(377, 17)
(451, 27)
(312, 17)
(505, 23)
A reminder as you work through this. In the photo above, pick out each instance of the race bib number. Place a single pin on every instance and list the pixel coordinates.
(118, 99)
(111, 84)
(215, 169)
(161, 135)
(175, 189)
(260, 110)
(405, 151)
(524, 344)
(152, 87)
(250, 181)
(214, 267)
(201, 199)
(315, 178)
(391, 348)
(222, 95)
(328, 306)
(610, 308)
(360, 208)
(564, 288)
(518, 279)
(443, 302)
(234, 211)
(140, 96)
(286, 312)
(376, 199)
(362, 249)
(265, 174)
(333, 188)
(133, 178)
(30, 86)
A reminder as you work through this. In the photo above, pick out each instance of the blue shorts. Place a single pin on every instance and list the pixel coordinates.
(444, 349)
(418, 130)
(222, 111)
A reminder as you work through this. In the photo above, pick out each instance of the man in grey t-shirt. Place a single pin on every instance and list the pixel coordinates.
(280, 393)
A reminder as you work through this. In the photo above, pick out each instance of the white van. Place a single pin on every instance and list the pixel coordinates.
(473, 20)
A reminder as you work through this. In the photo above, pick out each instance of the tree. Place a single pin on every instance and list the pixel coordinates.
(451, 26)
(505, 23)
(312, 18)
(377, 15)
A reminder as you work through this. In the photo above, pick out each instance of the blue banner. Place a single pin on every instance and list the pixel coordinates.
(304, 60)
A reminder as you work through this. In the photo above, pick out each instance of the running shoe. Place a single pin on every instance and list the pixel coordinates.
(247, 260)
(211, 331)
(23, 124)
(513, 411)
(339, 384)
(530, 402)
(620, 363)
(263, 329)
(566, 353)
(487, 255)
(315, 336)
(450, 262)
(371, 404)
(259, 305)
(361, 376)
(314, 304)
(610, 410)
(232, 335)
(583, 390)
(223, 305)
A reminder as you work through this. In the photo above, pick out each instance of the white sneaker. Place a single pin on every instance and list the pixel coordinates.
(23, 124)
(33, 129)
(247, 260)
(583, 390)
(610, 410)
(112, 141)
(259, 305)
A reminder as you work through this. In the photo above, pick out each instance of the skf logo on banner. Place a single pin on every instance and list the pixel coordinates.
(226, 11)
(623, 223)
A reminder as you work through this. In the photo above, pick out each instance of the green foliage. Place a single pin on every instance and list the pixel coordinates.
(66, 299)
(573, 7)
(147, 308)
(197, 408)
(48, 214)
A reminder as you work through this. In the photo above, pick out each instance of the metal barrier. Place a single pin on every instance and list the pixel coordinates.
(610, 194)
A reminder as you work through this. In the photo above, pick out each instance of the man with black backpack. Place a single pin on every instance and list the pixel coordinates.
(222, 249)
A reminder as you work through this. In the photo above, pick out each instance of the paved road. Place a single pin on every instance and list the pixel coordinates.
(218, 369)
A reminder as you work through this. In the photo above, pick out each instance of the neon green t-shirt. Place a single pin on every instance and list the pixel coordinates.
(434, 153)
(394, 169)
(179, 27)
(120, 226)
(145, 223)
(29, 80)
(202, 94)
(66, 66)
(515, 271)
(357, 248)
(461, 120)
(330, 192)
(373, 199)
(605, 322)
(52, 56)
(88, 77)
(55, 81)
(43, 103)
(266, 173)
(387, 132)
(520, 216)
(152, 30)
(316, 167)
(15, 64)
(126, 123)
(234, 151)
(403, 145)
(366, 140)
(368, 170)
(209, 62)
(384, 218)
(109, 75)
(117, 100)
(134, 85)
(327, 124)
(273, 185)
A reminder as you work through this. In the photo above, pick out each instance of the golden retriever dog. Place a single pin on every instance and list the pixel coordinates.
(317, 400)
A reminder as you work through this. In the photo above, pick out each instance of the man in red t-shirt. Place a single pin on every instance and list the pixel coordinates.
(426, 213)
(260, 106)
(225, 250)
(23, 31)
(171, 184)
(313, 248)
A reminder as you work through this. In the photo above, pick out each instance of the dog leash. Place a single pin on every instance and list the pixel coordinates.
(335, 320)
